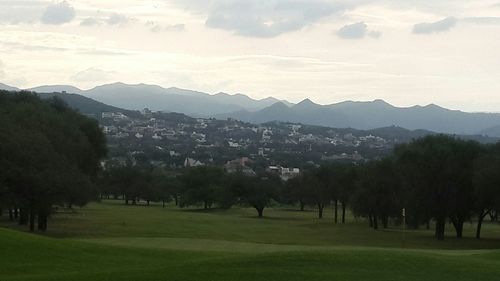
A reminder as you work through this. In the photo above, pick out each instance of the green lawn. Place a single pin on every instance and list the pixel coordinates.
(110, 241)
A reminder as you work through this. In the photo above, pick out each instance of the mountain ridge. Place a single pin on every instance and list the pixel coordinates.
(363, 115)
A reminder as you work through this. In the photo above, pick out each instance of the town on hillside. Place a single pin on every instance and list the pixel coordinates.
(176, 140)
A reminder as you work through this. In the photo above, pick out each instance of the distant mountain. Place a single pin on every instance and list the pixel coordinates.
(374, 114)
(348, 114)
(8, 88)
(136, 97)
(56, 89)
(492, 131)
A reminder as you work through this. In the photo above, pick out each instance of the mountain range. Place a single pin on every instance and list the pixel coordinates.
(348, 114)
(376, 114)
(156, 98)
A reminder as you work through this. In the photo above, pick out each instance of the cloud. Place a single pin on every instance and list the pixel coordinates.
(264, 18)
(93, 75)
(17, 12)
(434, 27)
(90, 22)
(173, 28)
(58, 13)
(482, 20)
(357, 30)
(117, 19)
(114, 19)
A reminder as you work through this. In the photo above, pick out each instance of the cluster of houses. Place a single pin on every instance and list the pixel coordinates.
(197, 141)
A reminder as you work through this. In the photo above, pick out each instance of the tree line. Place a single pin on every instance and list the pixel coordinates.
(436, 179)
(49, 156)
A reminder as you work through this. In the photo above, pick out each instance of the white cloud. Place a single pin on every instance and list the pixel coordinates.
(266, 18)
(434, 27)
(58, 13)
(482, 20)
(155, 27)
(21, 12)
(118, 19)
(357, 30)
(90, 22)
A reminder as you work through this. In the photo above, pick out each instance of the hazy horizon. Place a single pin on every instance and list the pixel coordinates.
(329, 51)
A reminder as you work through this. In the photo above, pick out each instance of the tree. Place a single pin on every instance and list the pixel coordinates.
(200, 185)
(487, 184)
(378, 193)
(295, 191)
(439, 170)
(327, 179)
(257, 191)
(318, 193)
(50, 155)
(345, 179)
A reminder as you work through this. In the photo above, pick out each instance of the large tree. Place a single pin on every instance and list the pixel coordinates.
(439, 170)
(257, 191)
(200, 185)
(50, 155)
(487, 185)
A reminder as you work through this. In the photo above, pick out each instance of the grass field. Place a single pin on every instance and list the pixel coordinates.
(110, 241)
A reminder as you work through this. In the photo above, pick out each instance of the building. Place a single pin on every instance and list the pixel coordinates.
(240, 165)
(284, 173)
(190, 162)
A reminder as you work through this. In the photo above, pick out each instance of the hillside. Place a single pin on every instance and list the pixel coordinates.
(375, 114)
(140, 96)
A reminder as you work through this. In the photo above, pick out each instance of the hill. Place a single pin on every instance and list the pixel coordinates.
(8, 88)
(88, 106)
(374, 114)
(137, 97)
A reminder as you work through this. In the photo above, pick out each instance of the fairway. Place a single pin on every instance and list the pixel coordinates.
(111, 241)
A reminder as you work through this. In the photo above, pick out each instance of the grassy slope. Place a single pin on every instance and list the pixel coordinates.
(157, 244)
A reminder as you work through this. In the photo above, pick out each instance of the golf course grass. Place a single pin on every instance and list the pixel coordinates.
(111, 241)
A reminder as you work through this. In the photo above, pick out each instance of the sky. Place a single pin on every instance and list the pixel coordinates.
(405, 52)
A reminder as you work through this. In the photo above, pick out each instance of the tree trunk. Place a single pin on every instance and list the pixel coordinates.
(370, 219)
(385, 222)
(163, 203)
(302, 205)
(176, 200)
(42, 219)
(147, 202)
(32, 219)
(320, 211)
(336, 207)
(23, 216)
(16, 213)
(428, 224)
(260, 210)
(375, 222)
(458, 223)
(480, 223)
(440, 227)
(11, 215)
(343, 213)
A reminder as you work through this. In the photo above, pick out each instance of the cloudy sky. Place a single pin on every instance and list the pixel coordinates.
(403, 51)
